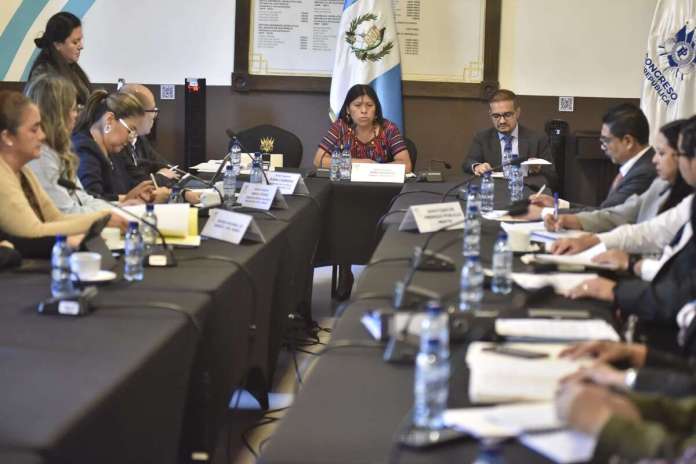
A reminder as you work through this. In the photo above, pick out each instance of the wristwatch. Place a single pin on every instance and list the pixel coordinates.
(630, 379)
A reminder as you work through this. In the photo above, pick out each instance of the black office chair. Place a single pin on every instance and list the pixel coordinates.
(412, 151)
(284, 142)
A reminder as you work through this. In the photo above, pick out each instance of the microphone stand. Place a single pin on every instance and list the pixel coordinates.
(169, 261)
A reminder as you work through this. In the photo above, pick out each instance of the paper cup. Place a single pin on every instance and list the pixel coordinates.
(518, 240)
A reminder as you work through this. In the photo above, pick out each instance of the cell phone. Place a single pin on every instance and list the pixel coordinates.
(415, 437)
(516, 352)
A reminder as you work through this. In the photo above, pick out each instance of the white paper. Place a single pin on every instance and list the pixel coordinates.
(433, 216)
(528, 227)
(288, 182)
(581, 259)
(536, 162)
(565, 446)
(248, 158)
(494, 215)
(231, 227)
(546, 236)
(378, 172)
(553, 329)
(562, 282)
(505, 420)
(172, 219)
(499, 378)
(258, 196)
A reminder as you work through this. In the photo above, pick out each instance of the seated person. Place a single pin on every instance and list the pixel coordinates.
(361, 127)
(672, 285)
(491, 147)
(26, 211)
(55, 97)
(103, 129)
(665, 192)
(141, 157)
(624, 138)
(650, 370)
(630, 427)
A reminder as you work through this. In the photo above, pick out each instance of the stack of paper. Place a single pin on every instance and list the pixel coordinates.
(554, 329)
(562, 282)
(505, 420)
(177, 222)
(580, 259)
(498, 378)
(563, 446)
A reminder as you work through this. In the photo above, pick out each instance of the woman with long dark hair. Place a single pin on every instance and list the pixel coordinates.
(362, 129)
(61, 45)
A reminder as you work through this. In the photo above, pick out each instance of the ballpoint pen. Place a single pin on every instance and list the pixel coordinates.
(541, 190)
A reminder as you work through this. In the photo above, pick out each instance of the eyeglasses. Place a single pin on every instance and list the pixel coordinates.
(153, 110)
(506, 115)
(131, 132)
(604, 141)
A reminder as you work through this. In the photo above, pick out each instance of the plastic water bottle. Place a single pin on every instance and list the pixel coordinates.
(335, 166)
(435, 325)
(516, 183)
(487, 193)
(148, 232)
(256, 175)
(229, 185)
(133, 260)
(431, 384)
(502, 265)
(236, 156)
(490, 452)
(61, 285)
(175, 195)
(472, 232)
(471, 289)
(473, 198)
(346, 163)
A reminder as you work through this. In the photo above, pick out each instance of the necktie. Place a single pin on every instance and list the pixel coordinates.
(617, 180)
(507, 153)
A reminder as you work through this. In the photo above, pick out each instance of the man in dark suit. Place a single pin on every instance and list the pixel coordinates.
(624, 139)
(492, 147)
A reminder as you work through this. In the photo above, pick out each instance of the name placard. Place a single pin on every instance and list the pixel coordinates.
(261, 196)
(375, 172)
(231, 227)
(288, 182)
(433, 216)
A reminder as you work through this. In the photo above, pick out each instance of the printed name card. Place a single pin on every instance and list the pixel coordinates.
(433, 216)
(288, 182)
(261, 196)
(376, 172)
(231, 227)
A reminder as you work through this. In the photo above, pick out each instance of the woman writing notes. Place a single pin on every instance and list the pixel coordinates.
(361, 126)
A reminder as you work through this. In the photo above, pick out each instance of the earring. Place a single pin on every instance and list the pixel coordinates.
(107, 128)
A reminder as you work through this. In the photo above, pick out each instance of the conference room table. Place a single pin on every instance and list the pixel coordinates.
(353, 403)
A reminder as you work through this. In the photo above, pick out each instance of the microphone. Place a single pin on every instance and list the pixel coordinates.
(169, 261)
(430, 175)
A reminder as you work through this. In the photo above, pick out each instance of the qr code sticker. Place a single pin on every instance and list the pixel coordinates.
(167, 92)
(566, 103)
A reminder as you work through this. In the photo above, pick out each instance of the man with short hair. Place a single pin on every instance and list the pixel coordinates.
(624, 139)
(491, 147)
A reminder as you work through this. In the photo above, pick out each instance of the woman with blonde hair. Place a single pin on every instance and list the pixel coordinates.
(55, 97)
(26, 210)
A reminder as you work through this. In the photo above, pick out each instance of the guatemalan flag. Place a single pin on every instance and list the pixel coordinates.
(367, 52)
(669, 68)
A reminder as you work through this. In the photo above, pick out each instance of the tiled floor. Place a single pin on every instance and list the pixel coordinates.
(256, 426)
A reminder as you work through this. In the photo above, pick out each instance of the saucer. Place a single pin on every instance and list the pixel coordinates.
(101, 277)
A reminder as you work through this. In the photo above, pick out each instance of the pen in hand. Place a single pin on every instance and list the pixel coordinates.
(541, 190)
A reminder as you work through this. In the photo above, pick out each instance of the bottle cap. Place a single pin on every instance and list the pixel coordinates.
(433, 342)
(473, 209)
(473, 188)
(502, 235)
(60, 238)
(473, 258)
(150, 207)
(434, 307)
(229, 167)
(132, 224)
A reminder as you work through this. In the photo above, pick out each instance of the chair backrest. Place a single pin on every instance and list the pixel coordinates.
(283, 141)
(412, 151)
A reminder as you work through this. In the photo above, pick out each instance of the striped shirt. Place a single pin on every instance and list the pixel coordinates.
(382, 148)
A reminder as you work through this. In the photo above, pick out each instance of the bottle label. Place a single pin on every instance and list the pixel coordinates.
(69, 308)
